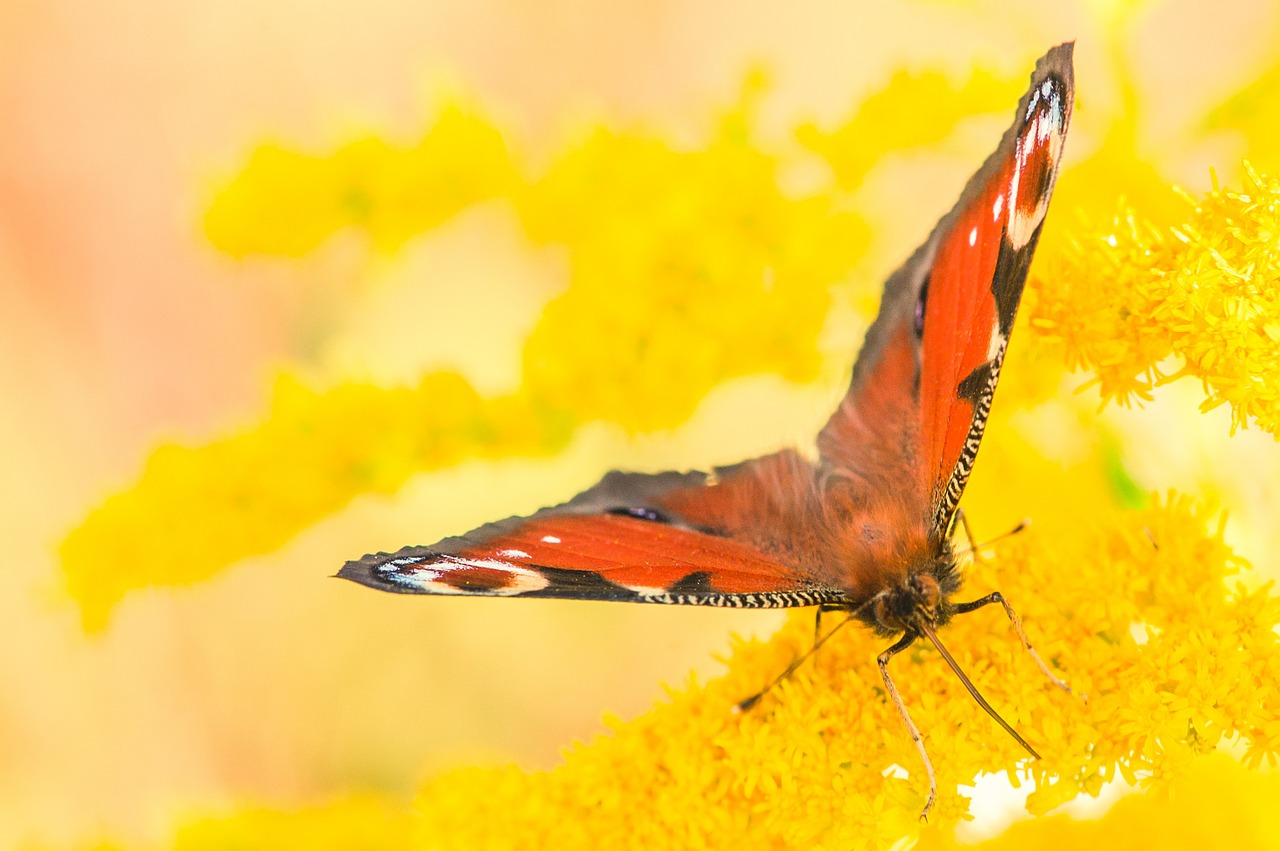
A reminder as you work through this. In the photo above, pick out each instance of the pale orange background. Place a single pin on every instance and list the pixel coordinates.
(120, 326)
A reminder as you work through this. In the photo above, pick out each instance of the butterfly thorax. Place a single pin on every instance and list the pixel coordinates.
(922, 596)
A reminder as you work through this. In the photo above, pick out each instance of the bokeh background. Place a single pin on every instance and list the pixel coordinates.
(122, 326)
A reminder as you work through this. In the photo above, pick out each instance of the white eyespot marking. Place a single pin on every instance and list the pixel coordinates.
(397, 563)
(433, 580)
(550, 539)
(455, 563)
(997, 208)
(973, 237)
(1042, 137)
(513, 554)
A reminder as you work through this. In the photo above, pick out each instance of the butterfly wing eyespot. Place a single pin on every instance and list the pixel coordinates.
(652, 515)
(917, 324)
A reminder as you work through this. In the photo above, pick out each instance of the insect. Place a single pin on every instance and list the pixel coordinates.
(865, 528)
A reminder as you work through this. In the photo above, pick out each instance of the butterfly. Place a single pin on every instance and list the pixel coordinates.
(867, 526)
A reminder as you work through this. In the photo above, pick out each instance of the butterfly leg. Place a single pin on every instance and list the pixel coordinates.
(997, 597)
(817, 620)
(962, 519)
(744, 705)
(883, 661)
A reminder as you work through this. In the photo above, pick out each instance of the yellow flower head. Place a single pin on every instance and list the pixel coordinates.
(1140, 305)
(289, 202)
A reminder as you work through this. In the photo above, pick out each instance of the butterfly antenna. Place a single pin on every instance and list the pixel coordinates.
(744, 705)
(928, 633)
(976, 548)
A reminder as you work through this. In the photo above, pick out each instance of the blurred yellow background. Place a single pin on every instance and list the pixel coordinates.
(121, 326)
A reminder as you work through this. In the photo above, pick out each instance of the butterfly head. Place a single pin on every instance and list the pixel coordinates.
(922, 598)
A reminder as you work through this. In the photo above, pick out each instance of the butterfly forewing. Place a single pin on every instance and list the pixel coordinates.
(982, 264)
(685, 538)
(948, 313)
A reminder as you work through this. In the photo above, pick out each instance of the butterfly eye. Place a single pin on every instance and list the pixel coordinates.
(927, 592)
(920, 302)
(886, 614)
(640, 514)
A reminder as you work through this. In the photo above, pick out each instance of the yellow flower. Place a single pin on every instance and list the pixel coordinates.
(288, 202)
(196, 510)
(680, 263)
(1122, 300)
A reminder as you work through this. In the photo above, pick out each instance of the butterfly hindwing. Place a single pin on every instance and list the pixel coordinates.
(689, 538)
(921, 391)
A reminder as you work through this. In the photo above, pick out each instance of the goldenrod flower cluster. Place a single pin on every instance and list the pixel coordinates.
(196, 509)
(1139, 305)
(286, 201)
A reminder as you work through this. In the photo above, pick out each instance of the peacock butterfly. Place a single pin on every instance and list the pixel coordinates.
(867, 527)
